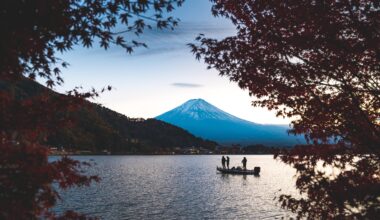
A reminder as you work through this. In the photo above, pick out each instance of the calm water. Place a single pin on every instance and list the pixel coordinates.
(180, 187)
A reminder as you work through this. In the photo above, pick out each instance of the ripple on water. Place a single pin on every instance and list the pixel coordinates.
(180, 187)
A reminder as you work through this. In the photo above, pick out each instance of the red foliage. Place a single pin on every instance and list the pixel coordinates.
(27, 175)
(317, 62)
(32, 32)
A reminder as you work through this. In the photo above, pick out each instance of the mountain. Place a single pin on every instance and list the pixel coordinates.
(97, 128)
(207, 121)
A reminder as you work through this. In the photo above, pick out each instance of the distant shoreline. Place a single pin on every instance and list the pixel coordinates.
(234, 150)
(155, 154)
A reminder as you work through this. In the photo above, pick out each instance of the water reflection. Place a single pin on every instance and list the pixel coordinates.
(244, 177)
(172, 187)
(225, 176)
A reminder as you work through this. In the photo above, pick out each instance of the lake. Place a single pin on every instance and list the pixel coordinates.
(180, 187)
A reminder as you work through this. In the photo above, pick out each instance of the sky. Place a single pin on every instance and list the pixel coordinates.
(157, 79)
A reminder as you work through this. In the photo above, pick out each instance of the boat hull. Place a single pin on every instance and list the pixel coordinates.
(255, 171)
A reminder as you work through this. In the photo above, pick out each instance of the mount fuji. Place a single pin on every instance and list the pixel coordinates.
(207, 121)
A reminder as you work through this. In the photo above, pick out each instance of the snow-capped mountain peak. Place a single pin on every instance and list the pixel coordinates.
(199, 109)
(205, 120)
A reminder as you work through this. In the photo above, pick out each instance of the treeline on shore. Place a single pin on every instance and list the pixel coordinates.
(250, 149)
(220, 150)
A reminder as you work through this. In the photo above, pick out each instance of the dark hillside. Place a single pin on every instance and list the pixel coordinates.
(97, 128)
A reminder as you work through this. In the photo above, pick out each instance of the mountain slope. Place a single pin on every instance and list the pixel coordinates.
(98, 128)
(207, 121)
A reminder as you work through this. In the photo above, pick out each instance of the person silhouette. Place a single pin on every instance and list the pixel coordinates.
(244, 161)
(223, 162)
(228, 162)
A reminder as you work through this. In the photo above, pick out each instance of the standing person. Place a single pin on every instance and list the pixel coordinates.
(228, 162)
(223, 162)
(244, 161)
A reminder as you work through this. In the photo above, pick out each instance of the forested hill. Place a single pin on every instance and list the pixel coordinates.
(98, 128)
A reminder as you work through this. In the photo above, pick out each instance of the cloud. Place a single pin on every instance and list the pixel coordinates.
(160, 50)
(175, 41)
(186, 85)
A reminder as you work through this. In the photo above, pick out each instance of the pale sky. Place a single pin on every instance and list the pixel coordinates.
(154, 80)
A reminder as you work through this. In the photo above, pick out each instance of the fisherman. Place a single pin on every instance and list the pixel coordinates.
(223, 162)
(228, 162)
(244, 161)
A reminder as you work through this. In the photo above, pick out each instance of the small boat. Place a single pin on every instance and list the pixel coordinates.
(255, 171)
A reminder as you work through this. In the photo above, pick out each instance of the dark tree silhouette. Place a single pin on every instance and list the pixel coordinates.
(33, 32)
(316, 62)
